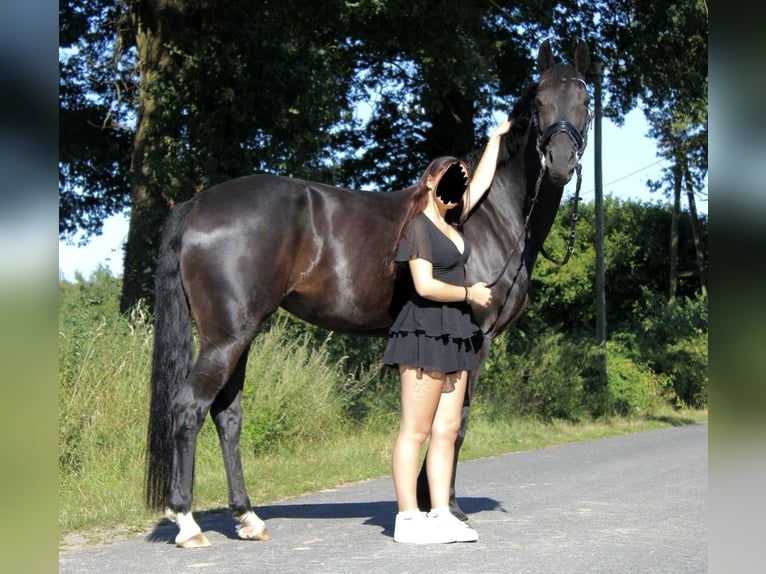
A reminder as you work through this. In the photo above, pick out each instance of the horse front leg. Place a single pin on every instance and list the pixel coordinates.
(226, 413)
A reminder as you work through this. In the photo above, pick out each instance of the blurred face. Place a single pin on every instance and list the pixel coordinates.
(452, 184)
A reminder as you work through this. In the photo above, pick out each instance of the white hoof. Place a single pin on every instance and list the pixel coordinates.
(251, 527)
(189, 534)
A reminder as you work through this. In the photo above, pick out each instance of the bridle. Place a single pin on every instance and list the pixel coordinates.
(579, 140)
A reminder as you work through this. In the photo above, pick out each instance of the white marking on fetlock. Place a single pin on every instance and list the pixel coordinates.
(189, 533)
(251, 527)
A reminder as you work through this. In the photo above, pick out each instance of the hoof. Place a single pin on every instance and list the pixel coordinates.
(197, 541)
(189, 535)
(459, 514)
(248, 534)
(251, 527)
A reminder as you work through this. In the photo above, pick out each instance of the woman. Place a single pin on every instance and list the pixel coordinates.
(434, 341)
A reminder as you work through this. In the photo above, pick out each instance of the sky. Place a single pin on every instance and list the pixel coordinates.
(628, 156)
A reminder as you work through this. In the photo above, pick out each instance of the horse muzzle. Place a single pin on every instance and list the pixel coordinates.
(563, 144)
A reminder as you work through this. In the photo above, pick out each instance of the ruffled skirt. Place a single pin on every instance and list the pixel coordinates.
(434, 337)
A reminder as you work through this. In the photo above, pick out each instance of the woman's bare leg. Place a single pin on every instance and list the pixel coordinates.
(441, 447)
(421, 395)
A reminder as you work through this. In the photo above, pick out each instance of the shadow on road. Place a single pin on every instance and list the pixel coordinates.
(379, 513)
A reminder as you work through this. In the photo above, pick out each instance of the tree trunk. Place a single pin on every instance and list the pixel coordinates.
(154, 22)
(696, 233)
(674, 234)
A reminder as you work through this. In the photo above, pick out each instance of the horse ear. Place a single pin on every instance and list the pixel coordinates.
(544, 56)
(582, 57)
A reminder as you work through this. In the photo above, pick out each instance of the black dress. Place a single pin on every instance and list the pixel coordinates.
(427, 334)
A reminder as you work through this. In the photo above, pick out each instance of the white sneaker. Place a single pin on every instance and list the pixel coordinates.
(453, 527)
(419, 528)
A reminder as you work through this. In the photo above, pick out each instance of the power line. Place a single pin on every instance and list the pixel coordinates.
(635, 172)
(631, 174)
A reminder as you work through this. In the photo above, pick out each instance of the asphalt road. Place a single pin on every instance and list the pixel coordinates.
(635, 503)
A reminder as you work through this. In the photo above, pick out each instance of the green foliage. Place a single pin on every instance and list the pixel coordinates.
(546, 365)
(95, 109)
(291, 394)
(636, 238)
(551, 378)
(536, 375)
(103, 368)
(83, 306)
(368, 389)
(633, 388)
(564, 295)
(359, 94)
(673, 339)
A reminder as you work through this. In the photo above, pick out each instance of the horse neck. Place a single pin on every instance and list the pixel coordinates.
(504, 204)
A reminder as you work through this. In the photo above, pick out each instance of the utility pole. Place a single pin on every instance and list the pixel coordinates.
(596, 68)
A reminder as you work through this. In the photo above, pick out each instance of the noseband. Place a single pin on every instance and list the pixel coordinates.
(579, 138)
(580, 141)
(563, 126)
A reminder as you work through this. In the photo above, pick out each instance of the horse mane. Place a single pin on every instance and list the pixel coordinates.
(521, 114)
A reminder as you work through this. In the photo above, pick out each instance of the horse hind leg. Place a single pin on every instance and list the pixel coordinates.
(188, 416)
(210, 374)
(226, 412)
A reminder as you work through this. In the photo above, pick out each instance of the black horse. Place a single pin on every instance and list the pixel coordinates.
(236, 252)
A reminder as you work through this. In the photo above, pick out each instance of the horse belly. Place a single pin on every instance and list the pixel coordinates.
(342, 309)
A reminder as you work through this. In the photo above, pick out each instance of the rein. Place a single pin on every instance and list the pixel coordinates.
(572, 224)
(579, 139)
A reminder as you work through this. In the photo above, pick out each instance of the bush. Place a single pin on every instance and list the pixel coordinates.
(673, 340)
(366, 389)
(545, 380)
(103, 407)
(634, 388)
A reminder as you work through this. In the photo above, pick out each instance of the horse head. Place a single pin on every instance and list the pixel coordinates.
(561, 112)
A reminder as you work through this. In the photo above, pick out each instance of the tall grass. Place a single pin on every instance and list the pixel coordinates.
(103, 408)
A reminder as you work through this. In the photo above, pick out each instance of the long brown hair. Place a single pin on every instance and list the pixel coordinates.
(419, 199)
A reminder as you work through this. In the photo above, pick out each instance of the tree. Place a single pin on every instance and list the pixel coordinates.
(162, 98)
(201, 115)
(635, 263)
(659, 57)
(95, 140)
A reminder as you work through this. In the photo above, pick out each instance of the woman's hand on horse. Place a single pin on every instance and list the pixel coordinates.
(480, 294)
(501, 129)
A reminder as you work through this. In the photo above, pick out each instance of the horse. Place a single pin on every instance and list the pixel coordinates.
(237, 251)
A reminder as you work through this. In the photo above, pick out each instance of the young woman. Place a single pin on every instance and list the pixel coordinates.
(434, 341)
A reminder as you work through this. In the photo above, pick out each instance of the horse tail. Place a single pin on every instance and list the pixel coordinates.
(172, 357)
